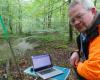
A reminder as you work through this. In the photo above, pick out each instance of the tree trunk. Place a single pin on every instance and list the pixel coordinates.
(70, 29)
(20, 18)
(50, 13)
(95, 2)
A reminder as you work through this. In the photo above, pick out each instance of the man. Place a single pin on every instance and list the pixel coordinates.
(86, 60)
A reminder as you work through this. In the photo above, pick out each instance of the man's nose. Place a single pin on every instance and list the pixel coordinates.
(76, 22)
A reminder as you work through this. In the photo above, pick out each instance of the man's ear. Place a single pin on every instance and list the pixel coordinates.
(93, 10)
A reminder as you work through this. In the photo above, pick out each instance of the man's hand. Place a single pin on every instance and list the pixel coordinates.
(74, 59)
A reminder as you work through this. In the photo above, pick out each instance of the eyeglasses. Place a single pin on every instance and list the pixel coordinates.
(78, 17)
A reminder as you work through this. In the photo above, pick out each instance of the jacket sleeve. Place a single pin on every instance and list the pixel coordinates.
(90, 68)
(78, 46)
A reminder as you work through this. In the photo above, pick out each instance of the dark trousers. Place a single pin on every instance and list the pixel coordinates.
(77, 76)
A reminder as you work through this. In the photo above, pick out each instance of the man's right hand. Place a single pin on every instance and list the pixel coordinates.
(74, 59)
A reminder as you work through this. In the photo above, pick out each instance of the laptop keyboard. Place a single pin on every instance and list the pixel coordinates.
(47, 71)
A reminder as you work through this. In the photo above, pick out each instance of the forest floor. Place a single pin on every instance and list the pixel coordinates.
(59, 51)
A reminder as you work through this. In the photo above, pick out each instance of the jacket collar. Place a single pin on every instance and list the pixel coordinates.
(93, 31)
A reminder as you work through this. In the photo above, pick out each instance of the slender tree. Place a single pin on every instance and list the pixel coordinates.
(20, 17)
(95, 1)
(70, 29)
(50, 7)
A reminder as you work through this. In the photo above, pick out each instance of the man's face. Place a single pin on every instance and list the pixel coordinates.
(81, 18)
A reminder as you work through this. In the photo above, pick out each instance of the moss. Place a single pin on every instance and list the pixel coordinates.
(61, 46)
(38, 51)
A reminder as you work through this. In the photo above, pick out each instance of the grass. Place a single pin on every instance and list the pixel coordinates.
(50, 37)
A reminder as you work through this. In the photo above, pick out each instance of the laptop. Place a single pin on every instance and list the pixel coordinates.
(43, 66)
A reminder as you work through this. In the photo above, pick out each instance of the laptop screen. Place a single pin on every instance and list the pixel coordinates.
(41, 61)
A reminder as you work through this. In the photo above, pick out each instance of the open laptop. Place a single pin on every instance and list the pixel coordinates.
(42, 65)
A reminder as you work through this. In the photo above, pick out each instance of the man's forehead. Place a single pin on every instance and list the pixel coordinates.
(76, 9)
